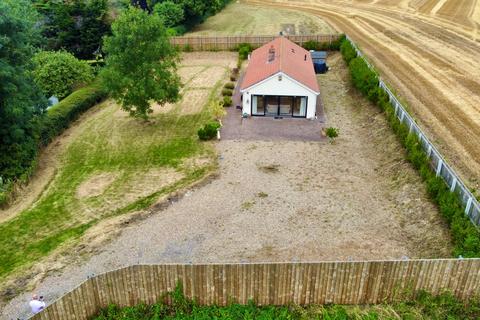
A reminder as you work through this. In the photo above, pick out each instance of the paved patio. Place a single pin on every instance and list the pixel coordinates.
(268, 128)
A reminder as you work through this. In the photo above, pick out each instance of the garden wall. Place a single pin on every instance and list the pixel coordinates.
(364, 282)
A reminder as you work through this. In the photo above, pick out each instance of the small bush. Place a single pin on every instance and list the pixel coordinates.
(332, 133)
(229, 85)
(227, 92)
(243, 50)
(227, 101)
(233, 77)
(209, 131)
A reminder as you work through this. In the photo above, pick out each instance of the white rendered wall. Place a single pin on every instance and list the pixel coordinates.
(286, 87)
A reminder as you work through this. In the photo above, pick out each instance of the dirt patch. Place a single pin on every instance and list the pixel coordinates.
(95, 185)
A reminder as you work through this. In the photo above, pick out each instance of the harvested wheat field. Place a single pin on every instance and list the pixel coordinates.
(283, 200)
(239, 18)
(429, 52)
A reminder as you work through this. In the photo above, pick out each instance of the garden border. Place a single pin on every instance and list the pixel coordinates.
(437, 161)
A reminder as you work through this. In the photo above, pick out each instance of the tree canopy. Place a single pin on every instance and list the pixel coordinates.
(170, 12)
(58, 73)
(76, 26)
(140, 63)
(20, 99)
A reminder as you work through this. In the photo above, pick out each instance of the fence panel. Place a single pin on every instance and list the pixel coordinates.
(438, 163)
(364, 282)
(208, 43)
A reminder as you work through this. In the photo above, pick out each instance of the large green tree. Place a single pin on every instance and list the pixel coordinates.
(76, 25)
(58, 73)
(20, 100)
(140, 63)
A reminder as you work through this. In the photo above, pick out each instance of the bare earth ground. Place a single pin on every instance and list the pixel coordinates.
(285, 201)
(429, 51)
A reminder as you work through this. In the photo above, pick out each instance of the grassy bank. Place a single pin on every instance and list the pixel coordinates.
(425, 306)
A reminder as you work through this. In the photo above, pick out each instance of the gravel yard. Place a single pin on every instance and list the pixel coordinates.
(285, 200)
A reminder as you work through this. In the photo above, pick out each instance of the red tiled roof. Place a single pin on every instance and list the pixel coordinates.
(289, 58)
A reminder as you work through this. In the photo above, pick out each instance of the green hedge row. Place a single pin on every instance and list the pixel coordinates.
(324, 46)
(60, 116)
(466, 237)
(56, 119)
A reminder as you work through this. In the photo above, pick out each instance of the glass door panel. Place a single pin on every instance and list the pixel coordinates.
(286, 106)
(272, 105)
(258, 105)
(300, 107)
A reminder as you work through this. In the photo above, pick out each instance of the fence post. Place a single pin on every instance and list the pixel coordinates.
(469, 204)
(454, 184)
(439, 167)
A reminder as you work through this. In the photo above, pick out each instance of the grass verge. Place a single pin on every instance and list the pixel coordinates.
(425, 306)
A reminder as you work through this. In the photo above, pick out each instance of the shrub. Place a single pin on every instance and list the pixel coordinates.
(227, 101)
(61, 115)
(59, 73)
(347, 50)
(227, 92)
(233, 77)
(243, 50)
(465, 236)
(209, 131)
(311, 45)
(229, 85)
(332, 133)
(216, 108)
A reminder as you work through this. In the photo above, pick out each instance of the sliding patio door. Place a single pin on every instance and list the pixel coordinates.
(271, 105)
(285, 105)
(300, 107)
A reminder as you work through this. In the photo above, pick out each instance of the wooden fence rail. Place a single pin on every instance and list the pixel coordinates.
(365, 282)
(199, 43)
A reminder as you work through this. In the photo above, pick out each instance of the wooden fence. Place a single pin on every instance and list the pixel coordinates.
(206, 43)
(364, 282)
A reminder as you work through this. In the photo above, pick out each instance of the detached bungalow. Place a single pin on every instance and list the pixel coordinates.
(280, 81)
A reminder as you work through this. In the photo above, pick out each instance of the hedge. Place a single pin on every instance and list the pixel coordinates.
(324, 46)
(465, 235)
(60, 116)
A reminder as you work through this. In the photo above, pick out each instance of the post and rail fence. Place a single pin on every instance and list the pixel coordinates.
(437, 161)
(207, 43)
(363, 282)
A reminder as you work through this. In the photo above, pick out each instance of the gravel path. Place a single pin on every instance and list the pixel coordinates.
(285, 201)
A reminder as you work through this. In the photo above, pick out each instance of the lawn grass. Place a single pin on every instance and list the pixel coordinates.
(246, 19)
(108, 142)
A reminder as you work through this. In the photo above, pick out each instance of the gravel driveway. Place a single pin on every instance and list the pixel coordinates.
(285, 201)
